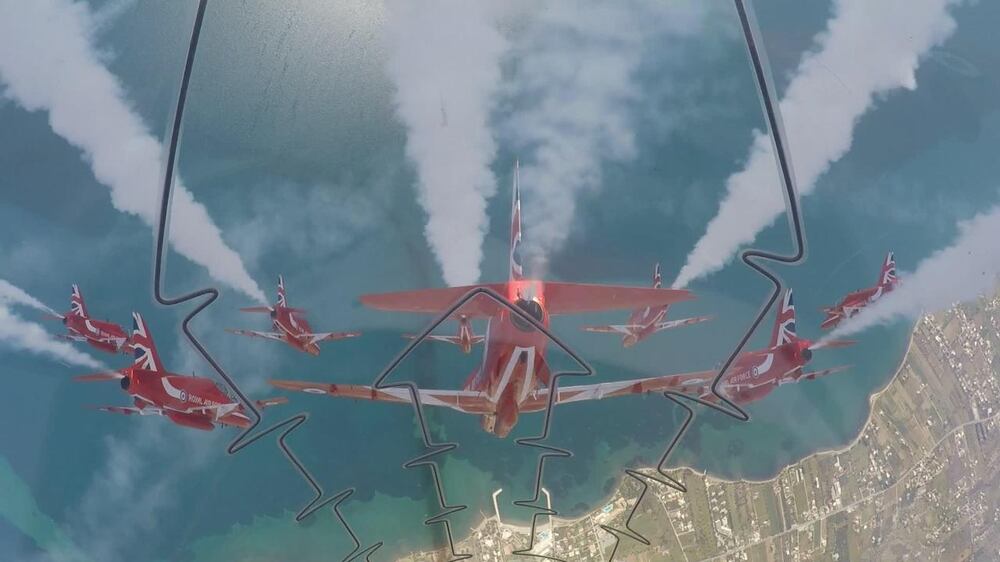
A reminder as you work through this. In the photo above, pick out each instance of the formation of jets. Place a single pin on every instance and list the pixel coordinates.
(513, 376)
(190, 401)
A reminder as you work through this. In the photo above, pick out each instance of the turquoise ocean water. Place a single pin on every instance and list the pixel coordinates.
(292, 144)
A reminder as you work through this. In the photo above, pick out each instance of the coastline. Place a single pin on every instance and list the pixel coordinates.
(872, 398)
(860, 432)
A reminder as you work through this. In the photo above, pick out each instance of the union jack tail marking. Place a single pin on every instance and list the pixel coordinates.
(516, 269)
(281, 292)
(76, 305)
(784, 322)
(143, 348)
(887, 277)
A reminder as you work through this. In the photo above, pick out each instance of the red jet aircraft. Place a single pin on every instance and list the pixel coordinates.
(106, 336)
(752, 376)
(186, 400)
(645, 322)
(465, 338)
(513, 376)
(290, 326)
(854, 302)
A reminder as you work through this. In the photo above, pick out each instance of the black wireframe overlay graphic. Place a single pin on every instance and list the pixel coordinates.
(437, 449)
(245, 438)
(752, 258)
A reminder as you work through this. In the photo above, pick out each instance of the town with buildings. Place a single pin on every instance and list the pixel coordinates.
(921, 481)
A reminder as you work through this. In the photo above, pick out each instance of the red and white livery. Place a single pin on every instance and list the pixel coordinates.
(647, 321)
(189, 401)
(103, 335)
(290, 326)
(752, 376)
(856, 301)
(513, 376)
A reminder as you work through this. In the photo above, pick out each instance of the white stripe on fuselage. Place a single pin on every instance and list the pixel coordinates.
(508, 372)
(172, 390)
(282, 328)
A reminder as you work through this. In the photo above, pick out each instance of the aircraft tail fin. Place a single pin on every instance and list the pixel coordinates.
(76, 305)
(516, 266)
(281, 292)
(143, 347)
(784, 321)
(887, 277)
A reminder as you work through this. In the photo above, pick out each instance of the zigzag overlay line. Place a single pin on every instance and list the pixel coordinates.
(210, 295)
(752, 258)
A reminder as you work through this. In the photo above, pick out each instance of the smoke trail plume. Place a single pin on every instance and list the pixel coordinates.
(10, 294)
(30, 336)
(444, 62)
(868, 50)
(961, 272)
(49, 63)
(576, 79)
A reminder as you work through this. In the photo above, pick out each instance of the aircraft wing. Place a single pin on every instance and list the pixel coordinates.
(682, 322)
(624, 329)
(448, 339)
(131, 411)
(329, 336)
(435, 337)
(696, 384)
(466, 401)
(575, 298)
(71, 337)
(560, 298)
(255, 334)
(434, 301)
(832, 319)
(822, 372)
(268, 402)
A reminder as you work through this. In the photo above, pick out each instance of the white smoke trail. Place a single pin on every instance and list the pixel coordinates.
(48, 62)
(11, 294)
(445, 63)
(868, 50)
(137, 484)
(30, 336)
(961, 272)
(576, 77)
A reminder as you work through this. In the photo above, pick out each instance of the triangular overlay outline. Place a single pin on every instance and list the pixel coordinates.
(442, 448)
